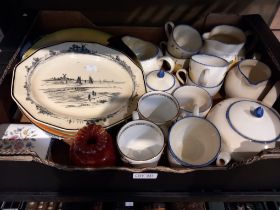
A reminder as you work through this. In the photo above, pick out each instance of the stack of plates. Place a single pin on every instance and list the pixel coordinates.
(63, 87)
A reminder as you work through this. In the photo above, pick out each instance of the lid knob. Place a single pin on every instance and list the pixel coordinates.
(160, 74)
(258, 112)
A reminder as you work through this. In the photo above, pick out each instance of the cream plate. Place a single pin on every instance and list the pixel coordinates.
(69, 85)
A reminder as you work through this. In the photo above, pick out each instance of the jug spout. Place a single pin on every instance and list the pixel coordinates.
(254, 72)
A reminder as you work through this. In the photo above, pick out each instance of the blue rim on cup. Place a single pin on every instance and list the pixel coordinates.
(124, 137)
(180, 161)
(164, 94)
(200, 111)
(205, 54)
(211, 90)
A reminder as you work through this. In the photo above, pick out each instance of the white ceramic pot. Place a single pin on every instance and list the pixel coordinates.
(160, 80)
(183, 40)
(212, 90)
(193, 142)
(246, 127)
(193, 101)
(248, 79)
(207, 70)
(149, 55)
(140, 143)
(224, 41)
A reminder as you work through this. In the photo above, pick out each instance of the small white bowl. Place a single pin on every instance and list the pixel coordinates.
(193, 100)
(140, 143)
(190, 147)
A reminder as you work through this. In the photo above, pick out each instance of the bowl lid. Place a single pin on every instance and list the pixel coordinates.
(160, 80)
(254, 121)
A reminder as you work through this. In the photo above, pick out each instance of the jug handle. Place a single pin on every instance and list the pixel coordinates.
(272, 95)
(170, 62)
(168, 27)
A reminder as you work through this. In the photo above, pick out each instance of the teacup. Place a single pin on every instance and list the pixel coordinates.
(183, 40)
(212, 90)
(193, 142)
(158, 107)
(193, 101)
(160, 80)
(140, 143)
(224, 41)
(149, 55)
(207, 70)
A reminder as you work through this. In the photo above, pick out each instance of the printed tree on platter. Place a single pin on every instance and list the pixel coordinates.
(79, 80)
(90, 79)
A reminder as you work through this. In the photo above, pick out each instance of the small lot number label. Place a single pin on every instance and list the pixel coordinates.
(145, 175)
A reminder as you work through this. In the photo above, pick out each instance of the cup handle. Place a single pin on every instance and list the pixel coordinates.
(206, 35)
(202, 79)
(168, 27)
(179, 77)
(196, 110)
(170, 62)
(135, 115)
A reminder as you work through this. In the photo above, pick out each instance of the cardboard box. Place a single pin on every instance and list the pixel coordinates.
(28, 173)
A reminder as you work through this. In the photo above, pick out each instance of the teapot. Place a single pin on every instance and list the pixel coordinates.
(246, 126)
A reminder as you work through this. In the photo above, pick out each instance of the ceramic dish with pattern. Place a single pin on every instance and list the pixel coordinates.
(69, 85)
(18, 138)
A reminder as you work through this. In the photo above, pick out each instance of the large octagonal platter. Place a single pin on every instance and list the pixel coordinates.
(69, 85)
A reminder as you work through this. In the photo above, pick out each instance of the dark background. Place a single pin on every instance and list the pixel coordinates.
(140, 12)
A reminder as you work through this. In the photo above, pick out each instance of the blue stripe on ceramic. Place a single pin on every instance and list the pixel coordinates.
(202, 85)
(227, 63)
(164, 94)
(183, 163)
(246, 137)
(200, 111)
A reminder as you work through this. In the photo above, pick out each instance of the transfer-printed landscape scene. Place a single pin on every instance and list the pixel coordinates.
(82, 91)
